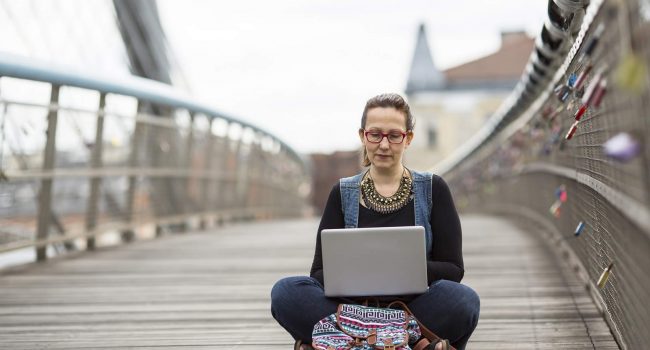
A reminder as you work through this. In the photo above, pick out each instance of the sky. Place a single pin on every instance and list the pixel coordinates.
(303, 69)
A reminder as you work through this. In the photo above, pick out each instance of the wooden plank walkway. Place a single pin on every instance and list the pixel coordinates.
(211, 290)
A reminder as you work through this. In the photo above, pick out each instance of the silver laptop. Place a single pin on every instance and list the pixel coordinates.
(374, 261)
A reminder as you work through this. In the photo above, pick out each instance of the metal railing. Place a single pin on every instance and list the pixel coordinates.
(128, 156)
(550, 160)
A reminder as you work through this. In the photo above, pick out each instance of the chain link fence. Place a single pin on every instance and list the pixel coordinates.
(568, 155)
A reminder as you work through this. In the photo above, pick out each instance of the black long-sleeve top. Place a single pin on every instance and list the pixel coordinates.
(445, 261)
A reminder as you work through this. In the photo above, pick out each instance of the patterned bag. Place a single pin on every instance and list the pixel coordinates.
(356, 327)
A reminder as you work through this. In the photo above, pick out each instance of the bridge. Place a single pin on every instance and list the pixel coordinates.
(172, 231)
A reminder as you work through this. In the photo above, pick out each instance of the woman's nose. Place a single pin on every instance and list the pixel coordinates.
(384, 143)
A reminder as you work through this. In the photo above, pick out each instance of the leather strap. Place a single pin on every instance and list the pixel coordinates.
(426, 332)
(422, 344)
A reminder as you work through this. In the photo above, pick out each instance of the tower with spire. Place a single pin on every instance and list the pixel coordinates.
(451, 105)
(424, 76)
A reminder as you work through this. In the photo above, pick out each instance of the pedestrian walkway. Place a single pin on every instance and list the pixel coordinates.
(211, 290)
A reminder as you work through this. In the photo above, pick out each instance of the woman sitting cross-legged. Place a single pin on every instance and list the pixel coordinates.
(448, 308)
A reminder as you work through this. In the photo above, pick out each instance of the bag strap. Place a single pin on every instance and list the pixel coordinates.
(426, 332)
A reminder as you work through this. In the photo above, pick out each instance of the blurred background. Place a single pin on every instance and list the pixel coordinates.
(301, 70)
(126, 120)
(283, 65)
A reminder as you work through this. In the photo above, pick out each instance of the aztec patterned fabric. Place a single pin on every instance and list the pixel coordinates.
(356, 327)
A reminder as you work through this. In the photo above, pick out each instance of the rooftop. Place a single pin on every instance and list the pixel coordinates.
(499, 70)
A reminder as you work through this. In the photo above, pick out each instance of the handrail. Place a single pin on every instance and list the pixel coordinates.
(166, 175)
(528, 162)
(141, 88)
(523, 95)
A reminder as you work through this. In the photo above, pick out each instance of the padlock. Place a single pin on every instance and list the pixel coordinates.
(580, 112)
(582, 77)
(560, 193)
(555, 208)
(605, 275)
(562, 92)
(601, 89)
(571, 80)
(587, 98)
(572, 130)
(579, 228)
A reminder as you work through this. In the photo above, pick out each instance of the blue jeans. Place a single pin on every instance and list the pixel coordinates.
(447, 308)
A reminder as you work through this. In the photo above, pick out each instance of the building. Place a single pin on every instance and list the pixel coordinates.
(451, 105)
(327, 170)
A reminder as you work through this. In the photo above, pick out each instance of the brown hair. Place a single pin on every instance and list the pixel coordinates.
(386, 101)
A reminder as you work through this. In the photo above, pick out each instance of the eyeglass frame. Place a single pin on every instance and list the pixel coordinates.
(385, 135)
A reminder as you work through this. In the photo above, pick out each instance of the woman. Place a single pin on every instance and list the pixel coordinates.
(448, 308)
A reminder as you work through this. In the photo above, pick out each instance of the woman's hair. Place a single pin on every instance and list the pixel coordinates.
(386, 101)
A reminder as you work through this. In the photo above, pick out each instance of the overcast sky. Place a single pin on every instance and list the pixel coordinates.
(303, 69)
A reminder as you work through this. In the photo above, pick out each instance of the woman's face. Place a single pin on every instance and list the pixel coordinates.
(384, 154)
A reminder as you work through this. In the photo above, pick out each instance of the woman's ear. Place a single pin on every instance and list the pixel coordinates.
(409, 137)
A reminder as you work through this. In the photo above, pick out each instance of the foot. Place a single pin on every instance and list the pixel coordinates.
(442, 344)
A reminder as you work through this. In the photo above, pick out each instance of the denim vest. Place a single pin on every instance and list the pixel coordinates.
(422, 197)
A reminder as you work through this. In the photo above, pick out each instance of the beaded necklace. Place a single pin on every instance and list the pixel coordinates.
(385, 205)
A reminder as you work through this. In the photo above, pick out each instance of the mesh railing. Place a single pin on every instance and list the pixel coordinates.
(569, 153)
(82, 156)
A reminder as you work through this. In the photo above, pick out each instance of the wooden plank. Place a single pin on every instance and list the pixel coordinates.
(210, 289)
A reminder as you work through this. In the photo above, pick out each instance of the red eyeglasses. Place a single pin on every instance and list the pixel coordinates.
(374, 136)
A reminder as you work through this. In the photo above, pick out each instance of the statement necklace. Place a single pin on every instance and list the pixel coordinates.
(385, 205)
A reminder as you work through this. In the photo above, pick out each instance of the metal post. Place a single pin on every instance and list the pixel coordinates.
(228, 195)
(237, 185)
(223, 147)
(223, 187)
(45, 193)
(218, 185)
(95, 182)
(128, 235)
(254, 185)
(207, 167)
(190, 204)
